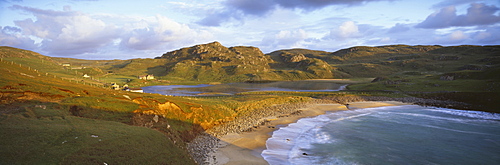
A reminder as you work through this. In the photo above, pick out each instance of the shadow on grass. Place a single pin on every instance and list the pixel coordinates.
(50, 133)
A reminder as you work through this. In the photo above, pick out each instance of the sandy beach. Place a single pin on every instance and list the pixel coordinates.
(246, 147)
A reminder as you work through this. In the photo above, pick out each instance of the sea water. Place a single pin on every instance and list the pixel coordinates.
(406, 134)
(173, 90)
(233, 88)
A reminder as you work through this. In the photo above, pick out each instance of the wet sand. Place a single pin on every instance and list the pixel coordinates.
(246, 147)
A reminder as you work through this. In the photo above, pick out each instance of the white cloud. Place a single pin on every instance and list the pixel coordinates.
(447, 3)
(345, 31)
(123, 32)
(12, 36)
(238, 9)
(162, 33)
(66, 32)
(80, 34)
(477, 14)
(348, 29)
(386, 40)
(284, 39)
(398, 28)
(482, 35)
(69, 33)
(488, 36)
(458, 35)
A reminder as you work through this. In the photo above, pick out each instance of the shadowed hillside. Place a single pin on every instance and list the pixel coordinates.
(363, 61)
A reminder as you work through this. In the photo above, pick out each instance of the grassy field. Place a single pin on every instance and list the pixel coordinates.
(45, 119)
(49, 134)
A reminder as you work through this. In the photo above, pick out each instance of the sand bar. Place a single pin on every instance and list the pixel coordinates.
(245, 148)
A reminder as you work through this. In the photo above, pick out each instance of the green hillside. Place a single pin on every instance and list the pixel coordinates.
(48, 115)
(46, 119)
(209, 62)
(400, 68)
(213, 62)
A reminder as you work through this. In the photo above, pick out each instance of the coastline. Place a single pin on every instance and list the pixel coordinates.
(243, 145)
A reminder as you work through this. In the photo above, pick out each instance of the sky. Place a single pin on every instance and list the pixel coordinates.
(126, 29)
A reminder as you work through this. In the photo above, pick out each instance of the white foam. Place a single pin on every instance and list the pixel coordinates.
(471, 114)
(287, 144)
(282, 146)
(424, 116)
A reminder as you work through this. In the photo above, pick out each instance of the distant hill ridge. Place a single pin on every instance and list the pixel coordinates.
(206, 61)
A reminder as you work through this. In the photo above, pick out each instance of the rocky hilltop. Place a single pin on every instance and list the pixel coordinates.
(214, 62)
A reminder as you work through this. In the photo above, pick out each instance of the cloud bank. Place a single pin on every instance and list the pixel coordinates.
(238, 9)
(268, 24)
(477, 14)
(67, 33)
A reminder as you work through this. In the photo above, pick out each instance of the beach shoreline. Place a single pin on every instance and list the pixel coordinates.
(244, 147)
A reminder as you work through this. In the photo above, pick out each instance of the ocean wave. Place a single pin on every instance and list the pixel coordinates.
(283, 143)
(295, 143)
(457, 130)
(290, 144)
(435, 118)
(470, 114)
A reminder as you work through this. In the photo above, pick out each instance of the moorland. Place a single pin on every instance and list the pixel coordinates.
(50, 113)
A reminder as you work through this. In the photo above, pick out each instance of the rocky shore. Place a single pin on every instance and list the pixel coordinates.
(206, 143)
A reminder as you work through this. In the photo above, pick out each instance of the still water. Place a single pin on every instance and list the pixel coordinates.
(233, 88)
(406, 134)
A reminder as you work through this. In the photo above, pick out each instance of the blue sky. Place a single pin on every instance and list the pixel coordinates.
(125, 29)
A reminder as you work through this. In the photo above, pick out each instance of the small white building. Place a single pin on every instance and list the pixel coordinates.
(138, 90)
(147, 77)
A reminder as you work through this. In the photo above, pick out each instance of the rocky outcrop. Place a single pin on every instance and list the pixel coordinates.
(215, 62)
(292, 58)
(299, 61)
